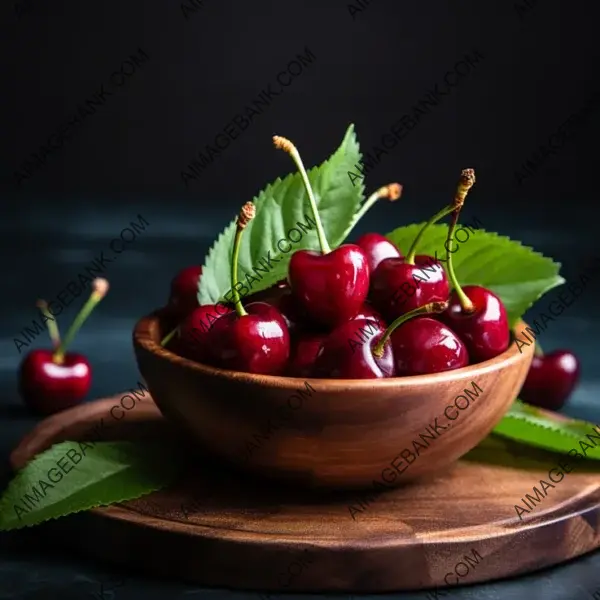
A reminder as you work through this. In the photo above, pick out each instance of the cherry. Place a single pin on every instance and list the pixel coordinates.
(338, 359)
(551, 379)
(49, 387)
(254, 339)
(425, 345)
(184, 292)
(330, 285)
(377, 247)
(368, 312)
(284, 301)
(398, 286)
(480, 321)
(362, 349)
(193, 338)
(54, 380)
(475, 313)
(305, 348)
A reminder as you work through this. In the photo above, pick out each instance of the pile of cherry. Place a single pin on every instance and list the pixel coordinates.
(359, 311)
(355, 312)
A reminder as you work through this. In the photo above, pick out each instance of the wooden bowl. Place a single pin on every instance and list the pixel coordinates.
(331, 433)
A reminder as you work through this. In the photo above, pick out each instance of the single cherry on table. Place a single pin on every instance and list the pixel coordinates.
(551, 379)
(53, 380)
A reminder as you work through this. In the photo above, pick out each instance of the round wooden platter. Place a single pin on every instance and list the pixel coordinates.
(222, 528)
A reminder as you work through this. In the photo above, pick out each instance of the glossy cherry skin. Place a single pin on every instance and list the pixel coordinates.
(485, 331)
(551, 379)
(258, 342)
(305, 347)
(307, 343)
(368, 312)
(331, 287)
(377, 247)
(48, 387)
(184, 292)
(347, 353)
(424, 345)
(397, 287)
(193, 339)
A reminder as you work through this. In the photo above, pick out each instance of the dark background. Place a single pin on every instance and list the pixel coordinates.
(539, 69)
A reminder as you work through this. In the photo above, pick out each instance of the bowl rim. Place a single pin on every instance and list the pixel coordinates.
(146, 326)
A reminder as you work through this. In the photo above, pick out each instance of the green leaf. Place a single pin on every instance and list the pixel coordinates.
(279, 208)
(55, 483)
(550, 431)
(516, 273)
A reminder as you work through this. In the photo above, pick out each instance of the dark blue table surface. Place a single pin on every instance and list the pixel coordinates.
(62, 244)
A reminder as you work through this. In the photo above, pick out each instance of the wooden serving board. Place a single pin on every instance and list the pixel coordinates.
(222, 528)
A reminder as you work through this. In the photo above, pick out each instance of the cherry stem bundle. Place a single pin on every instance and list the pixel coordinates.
(432, 307)
(99, 290)
(467, 180)
(285, 144)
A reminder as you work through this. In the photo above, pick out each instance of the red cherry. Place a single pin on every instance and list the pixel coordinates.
(305, 348)
(192, 340)
(475, 313)
(293, 314)
(347, 353)
(485, 330)
(368, 312)
(377, 247)
(53, 380)
(398, 287)
(330, 287)
(184, 292)
(424, 345)
(551, 379)
(257, 342)
(362, 349)
(49, 387)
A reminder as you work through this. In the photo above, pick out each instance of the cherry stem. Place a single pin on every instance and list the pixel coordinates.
(467, 179)
(246, 215)
(50, 323)
(392, 192)
(169, 336)
(410, 257)
(285, 144)
(432, 307)
(538, 350)
(99, 290)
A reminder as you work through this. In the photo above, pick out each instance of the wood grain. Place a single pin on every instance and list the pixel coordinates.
(220, 527)
(336, 433)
